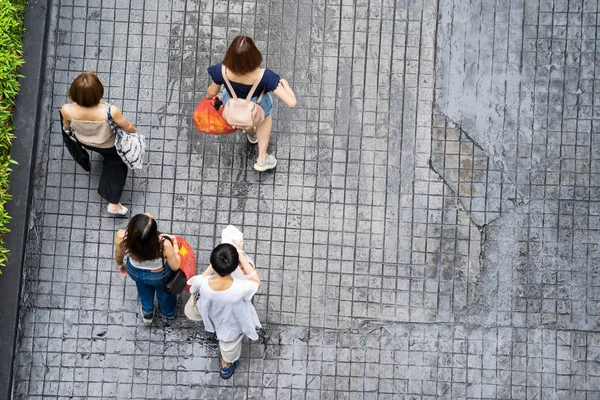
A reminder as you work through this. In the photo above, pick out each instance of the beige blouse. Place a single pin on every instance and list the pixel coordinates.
(94, 133)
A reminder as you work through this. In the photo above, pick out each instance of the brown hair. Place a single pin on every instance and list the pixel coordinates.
(242, 56)
(86, 90)
(142, 239)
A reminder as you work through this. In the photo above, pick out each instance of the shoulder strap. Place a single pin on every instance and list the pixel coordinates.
(252, 90)
(224, 73)
(261, 72)
(162, 250)
(109, 115)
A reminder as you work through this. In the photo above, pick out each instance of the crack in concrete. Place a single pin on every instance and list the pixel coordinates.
(517, 201)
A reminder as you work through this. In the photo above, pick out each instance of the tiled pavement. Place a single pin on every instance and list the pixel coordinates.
(430, 231)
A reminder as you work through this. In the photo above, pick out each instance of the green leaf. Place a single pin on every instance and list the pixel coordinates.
(11, 60)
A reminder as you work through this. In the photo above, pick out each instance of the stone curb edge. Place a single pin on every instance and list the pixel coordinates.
(30, 104)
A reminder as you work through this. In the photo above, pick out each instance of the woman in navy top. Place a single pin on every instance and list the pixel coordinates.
(242, 62)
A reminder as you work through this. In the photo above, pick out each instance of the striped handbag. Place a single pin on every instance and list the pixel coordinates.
(131, 148)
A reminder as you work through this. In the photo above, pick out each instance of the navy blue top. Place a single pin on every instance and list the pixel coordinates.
(268, 83)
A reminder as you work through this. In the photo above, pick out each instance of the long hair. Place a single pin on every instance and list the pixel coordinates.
(141, 241)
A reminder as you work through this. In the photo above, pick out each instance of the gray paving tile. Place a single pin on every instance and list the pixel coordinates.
(377, 283)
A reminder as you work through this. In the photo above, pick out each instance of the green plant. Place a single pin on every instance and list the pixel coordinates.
(11, 59)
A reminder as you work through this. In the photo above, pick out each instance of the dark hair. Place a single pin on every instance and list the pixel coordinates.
(142, 241)
(86, 90)
(224, 259)
(242, 56)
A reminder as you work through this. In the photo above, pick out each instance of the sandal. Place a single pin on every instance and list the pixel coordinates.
(251, 135)
(227, 372)
(122, 212)
(269, 163)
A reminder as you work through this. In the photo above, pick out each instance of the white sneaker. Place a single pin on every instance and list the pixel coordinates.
(269, 163)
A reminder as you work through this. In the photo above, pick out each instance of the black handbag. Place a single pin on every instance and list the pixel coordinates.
(176, 282)
(79, 154)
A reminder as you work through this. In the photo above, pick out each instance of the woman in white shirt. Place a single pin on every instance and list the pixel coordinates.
(225, 302)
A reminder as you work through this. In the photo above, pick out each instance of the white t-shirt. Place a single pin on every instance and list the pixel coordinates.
(148, 264)
(228, 312)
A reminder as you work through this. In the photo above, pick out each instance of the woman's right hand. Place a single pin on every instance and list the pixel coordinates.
(238, 245)
(213, 90)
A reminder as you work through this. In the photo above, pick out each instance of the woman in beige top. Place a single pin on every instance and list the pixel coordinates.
(87, 117)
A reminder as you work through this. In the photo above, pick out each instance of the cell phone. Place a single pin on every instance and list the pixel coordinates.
(218, 103)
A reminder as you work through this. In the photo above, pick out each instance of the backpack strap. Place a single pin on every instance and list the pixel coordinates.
(252, 90)
(261, 72)
(224, 73)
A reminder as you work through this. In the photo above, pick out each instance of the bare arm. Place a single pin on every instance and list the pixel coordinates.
(285, 93)
(66, 116)
(248, 268)
(171, 254)
(213, 90)
(208, 271)
(119, 253)
(195, 281)
(121, 120)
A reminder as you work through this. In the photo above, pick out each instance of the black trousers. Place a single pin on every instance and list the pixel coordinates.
(114, 174)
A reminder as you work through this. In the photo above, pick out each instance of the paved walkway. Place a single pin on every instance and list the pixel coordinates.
(431, 229)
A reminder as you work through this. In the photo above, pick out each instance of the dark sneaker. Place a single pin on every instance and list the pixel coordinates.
(146, 318)
(164, 316)
(227, 372)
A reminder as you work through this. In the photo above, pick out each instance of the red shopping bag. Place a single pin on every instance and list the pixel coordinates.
(188, 259)
(209, 120)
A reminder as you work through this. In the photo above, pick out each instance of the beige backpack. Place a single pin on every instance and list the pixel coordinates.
(243, 114)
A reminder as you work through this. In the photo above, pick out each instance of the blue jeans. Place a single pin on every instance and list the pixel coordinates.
(266, 102)
(148, 283)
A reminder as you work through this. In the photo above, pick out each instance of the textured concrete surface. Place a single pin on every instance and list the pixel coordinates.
(430, 231)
